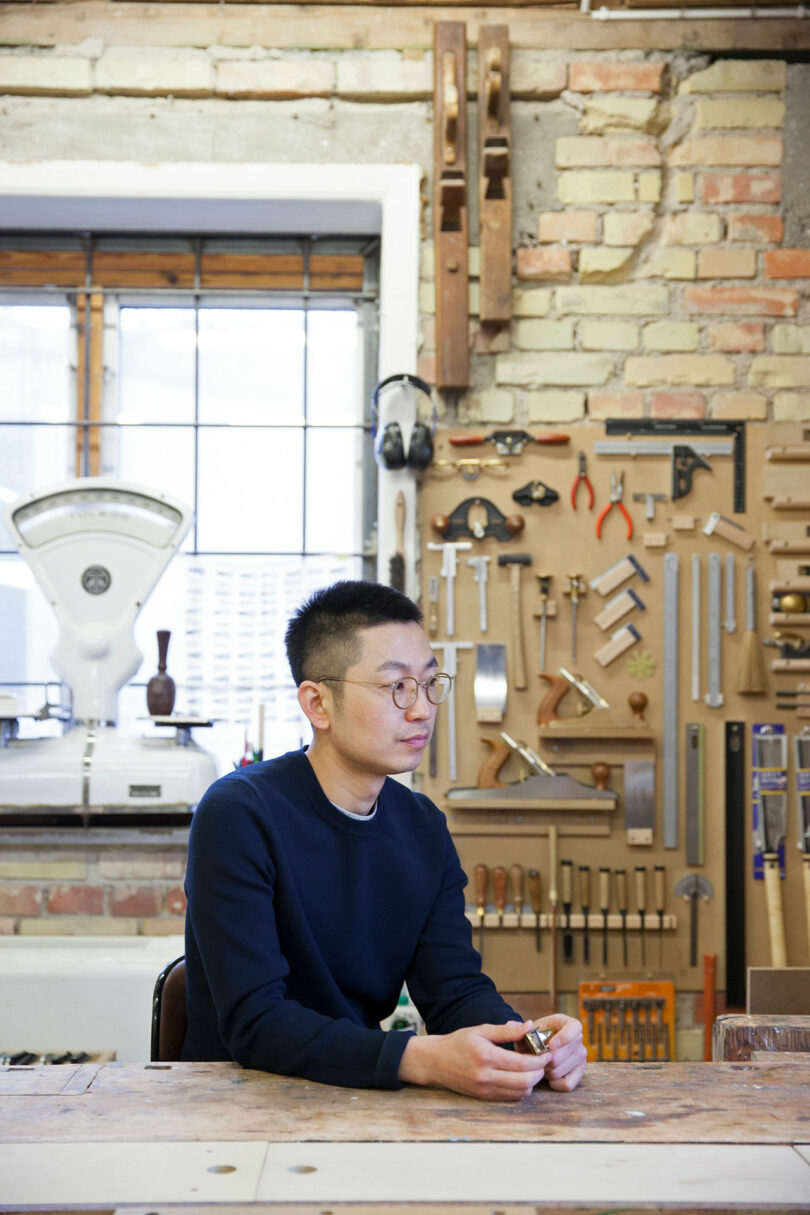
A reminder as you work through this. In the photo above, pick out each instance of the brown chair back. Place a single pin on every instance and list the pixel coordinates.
(169, 1017)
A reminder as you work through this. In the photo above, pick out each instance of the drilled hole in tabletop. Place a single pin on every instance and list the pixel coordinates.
(302, 1168)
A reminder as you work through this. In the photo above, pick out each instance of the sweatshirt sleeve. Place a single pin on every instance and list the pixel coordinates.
(231, 923)
(445, 979)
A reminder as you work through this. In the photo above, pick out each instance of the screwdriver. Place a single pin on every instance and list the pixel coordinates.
(516, 877)
(585, 900)
(641, 902)
(604, 905)
(499, 890)
(660, 901)
(621, 900)
(536, 897)
(481, 874)
(567, 884)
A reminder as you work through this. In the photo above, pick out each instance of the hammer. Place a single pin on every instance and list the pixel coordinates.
(516, 560)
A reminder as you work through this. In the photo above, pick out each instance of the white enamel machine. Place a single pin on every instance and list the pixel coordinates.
(97, 547)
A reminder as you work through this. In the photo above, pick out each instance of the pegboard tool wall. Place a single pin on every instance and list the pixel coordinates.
(562, 541)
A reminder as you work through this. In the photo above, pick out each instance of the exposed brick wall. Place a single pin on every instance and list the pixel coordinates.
(667, 292)
(92, 890)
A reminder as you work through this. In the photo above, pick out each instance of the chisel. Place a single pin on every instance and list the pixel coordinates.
(536, 898)
(641, 903)
(660, 904)
(585, 901)
(575, 589)
(481, 875)
(552, 899)
(567, 886)
(499, 891)
(516, 878)
(621, 901)
(604, 907)
(544, 581)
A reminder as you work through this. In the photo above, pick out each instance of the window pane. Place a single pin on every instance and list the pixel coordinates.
(36, 349)
(227, 616)
(29, 631)
(252, 365)
(334, 490)
(250, 490)
(32, 457)
(156, 365)
(159, 458)
(333, 368)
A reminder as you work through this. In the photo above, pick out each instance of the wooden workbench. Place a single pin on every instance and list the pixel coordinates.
(713, 1136)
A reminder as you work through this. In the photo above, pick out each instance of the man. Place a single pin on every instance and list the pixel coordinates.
(316, 885)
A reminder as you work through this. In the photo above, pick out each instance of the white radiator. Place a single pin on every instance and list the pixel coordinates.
(81, 993)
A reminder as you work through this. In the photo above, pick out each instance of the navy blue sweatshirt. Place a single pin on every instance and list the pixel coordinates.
(303, 923)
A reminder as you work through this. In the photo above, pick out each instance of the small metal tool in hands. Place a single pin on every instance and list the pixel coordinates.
(537, 1040)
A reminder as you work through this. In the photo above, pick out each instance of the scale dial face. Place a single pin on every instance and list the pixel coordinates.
(97, 508)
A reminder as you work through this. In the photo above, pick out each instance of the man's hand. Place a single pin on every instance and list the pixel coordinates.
(566, 1055)
(472, 1061)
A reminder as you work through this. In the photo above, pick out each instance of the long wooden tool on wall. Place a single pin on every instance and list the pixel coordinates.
(494, 174)
(450, 203)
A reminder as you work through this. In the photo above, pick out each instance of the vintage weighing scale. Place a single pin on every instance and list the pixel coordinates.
(97, 547)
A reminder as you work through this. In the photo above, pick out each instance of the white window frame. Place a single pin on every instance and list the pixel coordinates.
(58, 194)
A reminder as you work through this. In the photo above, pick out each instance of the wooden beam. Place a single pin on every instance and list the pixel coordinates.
(164, 271)
(494, 175)
(450, 204)
(89, 382)
(369, 27)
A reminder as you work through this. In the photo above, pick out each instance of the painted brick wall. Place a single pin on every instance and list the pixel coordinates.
(92, 890)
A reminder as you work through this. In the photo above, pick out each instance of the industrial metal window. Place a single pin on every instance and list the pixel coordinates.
(233, 375)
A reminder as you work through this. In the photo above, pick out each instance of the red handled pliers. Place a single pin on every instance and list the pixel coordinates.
(616, 495)
(582, 476)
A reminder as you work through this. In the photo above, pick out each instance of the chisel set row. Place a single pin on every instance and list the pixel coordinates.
(551, 909)
(628, 1021)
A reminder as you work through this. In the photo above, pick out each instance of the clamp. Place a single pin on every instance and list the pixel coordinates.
(616, 495)
(581, 478)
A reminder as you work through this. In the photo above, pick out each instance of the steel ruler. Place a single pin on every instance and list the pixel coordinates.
(714, 696)
(730, 622)
(695, 626)
(613, 447)
(670, 743)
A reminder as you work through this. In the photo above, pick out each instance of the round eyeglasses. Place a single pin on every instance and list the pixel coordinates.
(404, 691)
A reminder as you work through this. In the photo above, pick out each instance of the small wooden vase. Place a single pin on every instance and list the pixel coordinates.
(160, 690)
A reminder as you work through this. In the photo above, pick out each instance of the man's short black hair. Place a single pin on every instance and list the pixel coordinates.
(322, 637)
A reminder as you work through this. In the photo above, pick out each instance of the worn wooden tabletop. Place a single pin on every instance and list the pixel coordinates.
(732, 1103)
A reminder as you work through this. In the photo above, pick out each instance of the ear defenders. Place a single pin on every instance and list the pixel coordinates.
(389, 443)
